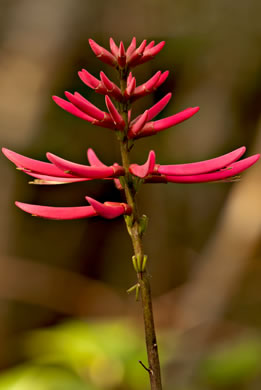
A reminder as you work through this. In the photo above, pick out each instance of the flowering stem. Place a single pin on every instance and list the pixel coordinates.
(134, 229)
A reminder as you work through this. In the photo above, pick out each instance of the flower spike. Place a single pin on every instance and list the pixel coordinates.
(109, 210)
(101, 53)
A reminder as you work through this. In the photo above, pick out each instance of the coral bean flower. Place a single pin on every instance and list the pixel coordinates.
(126, 175)
(61, 171)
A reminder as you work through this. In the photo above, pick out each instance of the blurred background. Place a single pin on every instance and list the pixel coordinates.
(66, 321)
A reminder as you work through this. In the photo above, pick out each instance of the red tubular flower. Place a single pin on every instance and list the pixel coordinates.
(64, 171)
(152, 128)
(108, 210)
(146, 169)
(101, 53)
(216, 169)
(122, 56)
(118, 118)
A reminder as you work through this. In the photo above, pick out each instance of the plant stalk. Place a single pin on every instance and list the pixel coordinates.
(136, 237)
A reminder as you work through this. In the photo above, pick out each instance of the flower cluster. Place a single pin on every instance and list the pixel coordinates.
(127, 129)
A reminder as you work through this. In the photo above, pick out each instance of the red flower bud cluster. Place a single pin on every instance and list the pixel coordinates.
(61, 171)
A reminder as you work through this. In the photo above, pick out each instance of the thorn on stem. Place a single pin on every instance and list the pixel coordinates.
(146, 368)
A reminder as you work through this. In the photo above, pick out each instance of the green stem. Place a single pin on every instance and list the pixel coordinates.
(142, 276)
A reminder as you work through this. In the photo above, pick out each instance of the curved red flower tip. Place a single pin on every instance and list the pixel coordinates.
(69, 107)
(203, 166)
(29, 165)
(92, 82)
(89, 79)
(121, 56)
(116, 117)
(223, 174)
(84, 105)
(146, 88)
(146, 169)
(152, 128)
(93, 159)
(111, 89)
(138, 125)
(59, 213)
(162, 79)
(93, 172)
(159, 106)
(150, 45)
(101, 53)
(109, 210)
(133, 59)
(106, 122)
(131, 48)
(114, 48)
(131, 85)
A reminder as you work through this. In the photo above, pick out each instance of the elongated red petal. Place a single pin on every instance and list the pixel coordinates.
(151, 52)
(162, 78)
(147, 87)
(152, 128)
(93, 159)
(84, 105)
(134, 58)
(223, 174)
(131, 87)
(158, 107)
(131, 48)
(114, 48)
(101, 53)
(69, 107)
(117, 118)
(122, 55)
(112, 88)
(26, 163)
(45, 179)
(151, 85)
(57, 212)
(150, 45)
(108, 210)
(203, 166)
(145, 169)
(88, 79)
(137, 127)
(86, 171)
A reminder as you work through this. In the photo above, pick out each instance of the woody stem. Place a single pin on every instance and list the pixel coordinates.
(134, 230)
